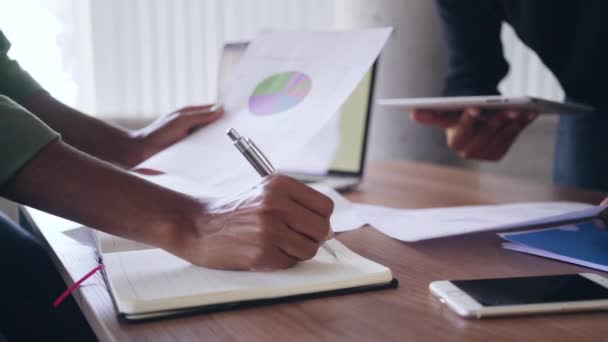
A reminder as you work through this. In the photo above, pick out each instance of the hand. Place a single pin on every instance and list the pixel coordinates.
(274, 225)
(477, 136)
(171, 128)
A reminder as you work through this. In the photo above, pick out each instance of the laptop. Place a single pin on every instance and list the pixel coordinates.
(347, 168)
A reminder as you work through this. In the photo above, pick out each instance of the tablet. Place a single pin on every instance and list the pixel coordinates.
(459, 103)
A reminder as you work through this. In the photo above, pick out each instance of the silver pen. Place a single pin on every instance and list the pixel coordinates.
(260, 163)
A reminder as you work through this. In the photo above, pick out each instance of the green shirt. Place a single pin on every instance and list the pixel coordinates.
(22, 135)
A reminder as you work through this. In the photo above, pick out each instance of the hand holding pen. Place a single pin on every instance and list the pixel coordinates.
(264, 168)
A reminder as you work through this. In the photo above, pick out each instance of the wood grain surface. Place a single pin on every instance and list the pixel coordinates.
(409, 313)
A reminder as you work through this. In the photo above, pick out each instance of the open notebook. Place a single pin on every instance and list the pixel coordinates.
(148, 283)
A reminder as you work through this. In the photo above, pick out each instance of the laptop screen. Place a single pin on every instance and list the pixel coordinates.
(353, 128)
(354, 114)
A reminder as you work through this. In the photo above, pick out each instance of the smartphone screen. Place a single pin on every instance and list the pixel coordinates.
(532, 290)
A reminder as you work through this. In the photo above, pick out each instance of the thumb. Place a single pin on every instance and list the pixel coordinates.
(195, 119)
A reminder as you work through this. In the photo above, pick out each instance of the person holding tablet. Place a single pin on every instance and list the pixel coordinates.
(570, 38)
(59, 160)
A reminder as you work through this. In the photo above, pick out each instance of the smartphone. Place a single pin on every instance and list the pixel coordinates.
(479, 298)
(490, 103)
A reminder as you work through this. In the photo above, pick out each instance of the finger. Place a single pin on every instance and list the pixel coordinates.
(505, 138)
(148, 172)
(205, 117)
(293, 243)
(272, 257)
(276, 259)
(440, 119)
(195, 120)
(203, 111)
(302, 194)
(485, 135)
(199, 108)
(306, 222)
(460, 135)
(189, 110)
(312, 199)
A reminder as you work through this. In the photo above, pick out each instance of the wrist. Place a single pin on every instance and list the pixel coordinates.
(132, 150)
(185, 235)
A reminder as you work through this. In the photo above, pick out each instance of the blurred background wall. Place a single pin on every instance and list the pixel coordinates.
(130, 61)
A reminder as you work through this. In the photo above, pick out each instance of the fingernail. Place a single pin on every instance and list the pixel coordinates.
(512, 114)
(330, 235)
(216, 107)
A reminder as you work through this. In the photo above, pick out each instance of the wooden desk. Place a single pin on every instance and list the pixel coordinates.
(409, 313)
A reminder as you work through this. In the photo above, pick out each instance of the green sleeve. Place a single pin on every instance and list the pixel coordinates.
(22, 136)
(15, 82)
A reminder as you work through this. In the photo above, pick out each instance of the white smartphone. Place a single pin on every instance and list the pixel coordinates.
(480, 298)
(459, 103)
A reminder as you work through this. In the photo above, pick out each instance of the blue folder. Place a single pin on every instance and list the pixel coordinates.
(584, 244)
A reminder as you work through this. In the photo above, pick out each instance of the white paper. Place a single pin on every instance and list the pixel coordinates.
(586, 212)
(334, 61)
(180, 184)
(317, 154)
(420, 224)
(345, 216)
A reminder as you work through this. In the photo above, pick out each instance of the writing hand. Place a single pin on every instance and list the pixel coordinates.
(272, 226)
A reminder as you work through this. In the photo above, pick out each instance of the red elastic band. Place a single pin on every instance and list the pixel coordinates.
(74, 286)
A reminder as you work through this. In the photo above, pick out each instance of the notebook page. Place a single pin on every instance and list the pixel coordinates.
(107, 243)
(154, 280)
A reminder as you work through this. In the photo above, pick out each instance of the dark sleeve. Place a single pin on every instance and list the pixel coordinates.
(22, 136)
(476, 63)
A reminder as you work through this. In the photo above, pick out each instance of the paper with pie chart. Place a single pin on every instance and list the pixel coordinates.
(287, 87)
(279, 92)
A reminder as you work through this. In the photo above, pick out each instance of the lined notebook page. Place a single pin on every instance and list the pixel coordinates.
(107, 243)
(154, 280)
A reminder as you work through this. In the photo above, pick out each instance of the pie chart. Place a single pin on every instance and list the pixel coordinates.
(279, 92)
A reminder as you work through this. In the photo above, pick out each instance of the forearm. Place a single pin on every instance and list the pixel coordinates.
(68, 183)
(274, 225)
(88, 134)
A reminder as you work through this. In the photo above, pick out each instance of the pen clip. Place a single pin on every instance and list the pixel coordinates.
(263, 159)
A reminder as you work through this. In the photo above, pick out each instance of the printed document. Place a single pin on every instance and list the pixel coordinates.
(287, 87)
